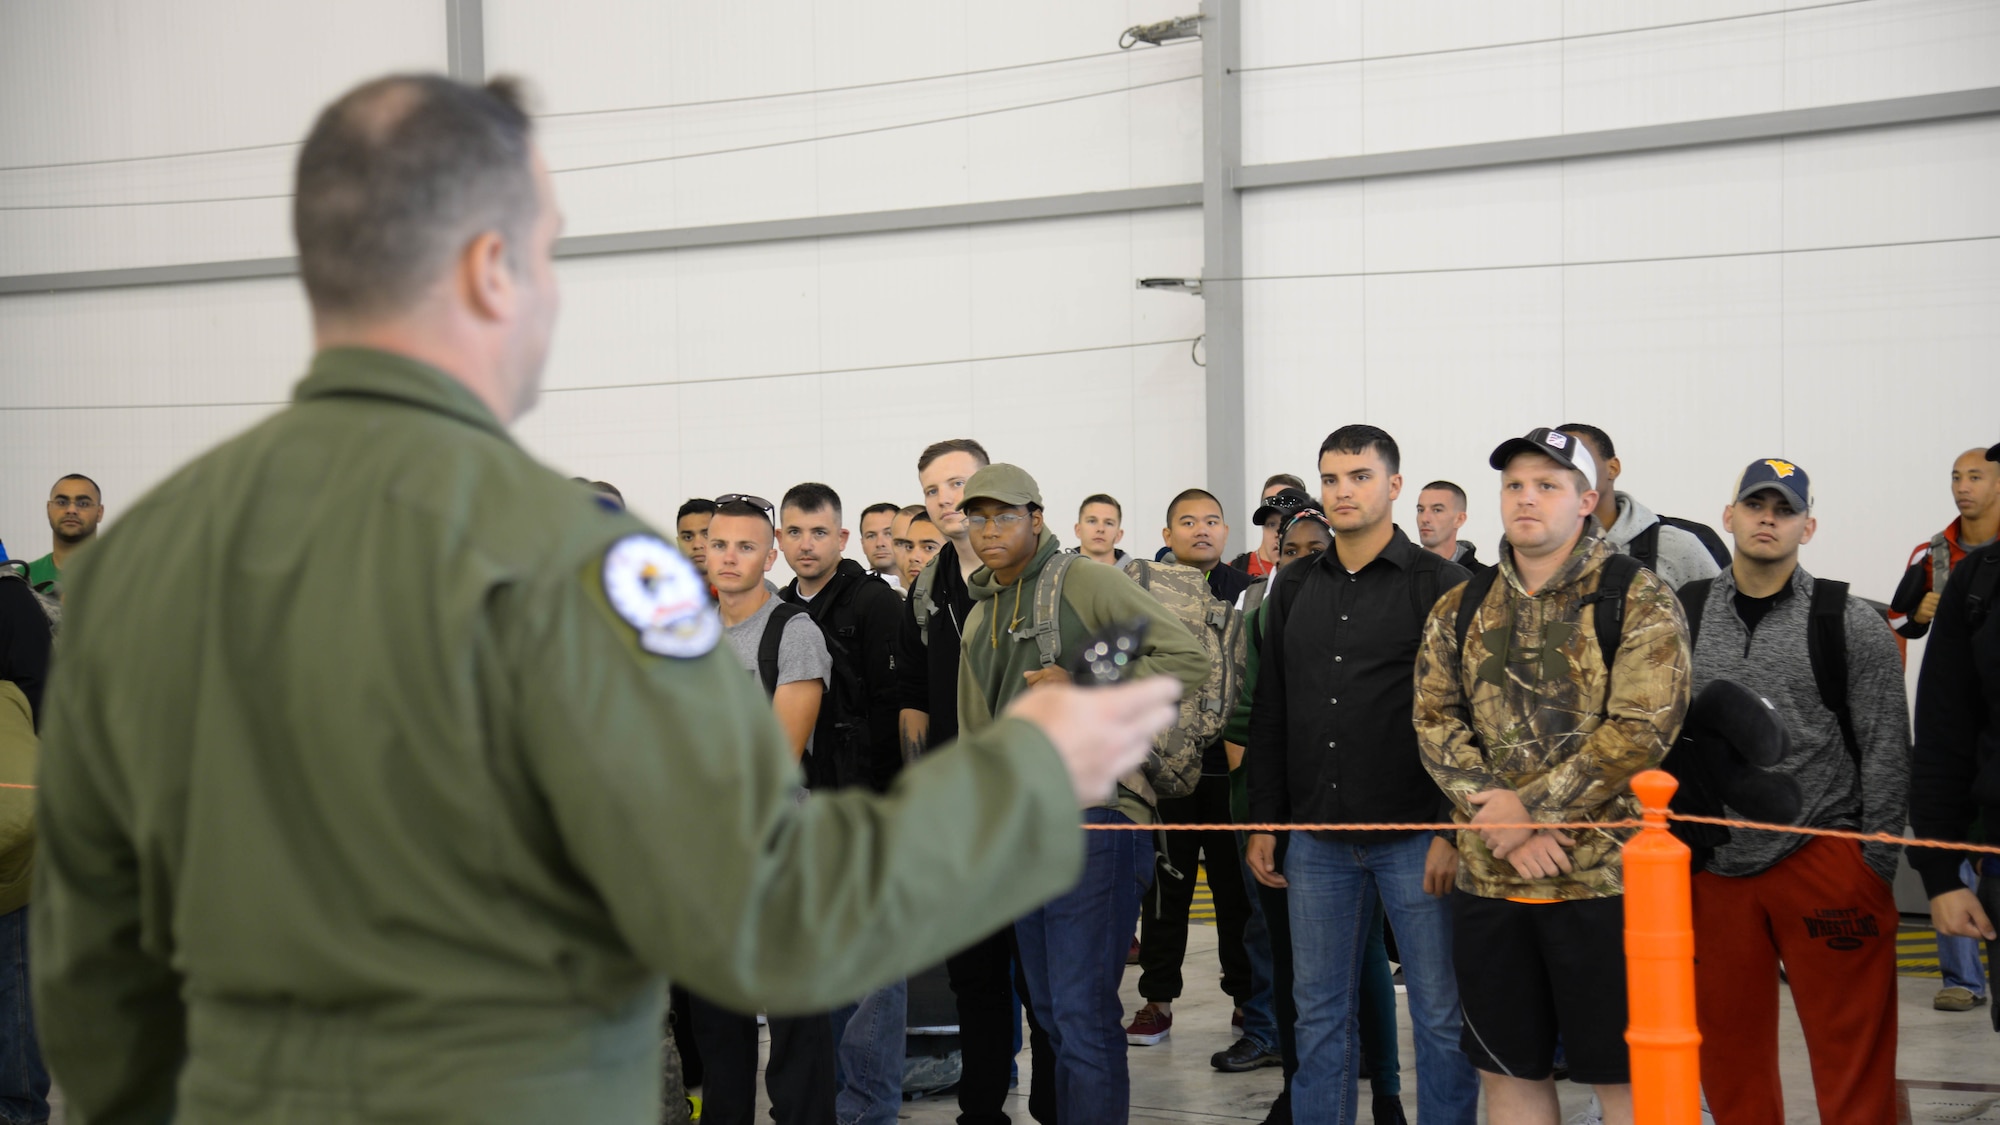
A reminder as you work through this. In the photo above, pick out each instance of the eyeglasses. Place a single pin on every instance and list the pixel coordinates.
(753, 501)
(81, 503)
(1005, 520)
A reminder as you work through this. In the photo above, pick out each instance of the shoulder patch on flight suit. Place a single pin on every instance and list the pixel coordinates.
(656, 590)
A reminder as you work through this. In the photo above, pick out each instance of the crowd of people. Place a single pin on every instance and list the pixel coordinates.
(425, 855)
(1529, 704)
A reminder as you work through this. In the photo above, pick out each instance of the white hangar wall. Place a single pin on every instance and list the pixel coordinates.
(1830, 298)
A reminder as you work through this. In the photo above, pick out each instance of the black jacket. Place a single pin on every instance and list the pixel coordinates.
(1955, 774)
(1331, 739)
(864, 614)
(24, 642)
(927, 675)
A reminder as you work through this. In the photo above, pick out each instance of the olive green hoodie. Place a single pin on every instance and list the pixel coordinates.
(998, 651)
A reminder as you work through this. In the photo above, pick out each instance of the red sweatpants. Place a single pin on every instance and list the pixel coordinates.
(1833, 922)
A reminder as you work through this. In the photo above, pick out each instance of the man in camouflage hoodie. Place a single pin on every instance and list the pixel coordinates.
(1526, 723)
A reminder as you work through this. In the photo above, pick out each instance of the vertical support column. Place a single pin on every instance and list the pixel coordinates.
(1222, 242)
(465, 40)
(1659, 966)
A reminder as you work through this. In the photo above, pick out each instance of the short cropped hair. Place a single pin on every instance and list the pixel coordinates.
(743, 508)
(1361, 438)
(84, 479)
(1599, 440)
(922, 515)
(397, 177)
(913, 511)
(938, 449)
(880, 509)
(811, 496)
(695, 507)
(1192, 494)
(1286, 479)
(1445, 486)
(1100, 498)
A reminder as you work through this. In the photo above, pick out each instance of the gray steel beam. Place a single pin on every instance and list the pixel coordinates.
(1222, 254)
(1764, 126)
(1641, 138)
(465, 40)
(673, 238)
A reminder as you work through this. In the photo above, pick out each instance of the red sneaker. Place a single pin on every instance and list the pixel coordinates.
(1132, 954)
(1149, 1026)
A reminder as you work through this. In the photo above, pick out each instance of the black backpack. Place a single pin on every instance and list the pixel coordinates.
(1826, 647)
(840, 749)
(1607, 604)
(1646, 545)
(1985, 582)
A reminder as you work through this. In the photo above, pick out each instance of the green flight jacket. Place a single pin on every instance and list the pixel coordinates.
(998, 652)
(358, 802)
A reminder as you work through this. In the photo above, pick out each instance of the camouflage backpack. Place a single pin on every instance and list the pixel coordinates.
(1175, 767)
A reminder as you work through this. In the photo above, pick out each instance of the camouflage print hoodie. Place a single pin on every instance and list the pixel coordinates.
(1545, 719)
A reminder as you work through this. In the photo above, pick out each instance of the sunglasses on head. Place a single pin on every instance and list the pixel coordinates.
(753, 501)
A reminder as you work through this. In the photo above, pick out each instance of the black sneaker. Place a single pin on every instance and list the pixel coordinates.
(1244, 1054)
(1388, 1110)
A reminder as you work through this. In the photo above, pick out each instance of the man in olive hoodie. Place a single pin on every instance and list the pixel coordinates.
(1073, 949)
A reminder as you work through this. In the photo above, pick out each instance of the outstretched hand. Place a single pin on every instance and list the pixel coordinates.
(1102, 733)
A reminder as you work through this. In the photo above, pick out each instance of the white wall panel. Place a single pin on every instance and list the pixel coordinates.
(1461, 99)
(1675, 74)
(1681, 363)
(1884, 185)
(1724, 199)
(754, 311)
(1890, 49)
(1311, 228)
(1399, 27)
(1484, 217)
(1040, 286)
(900, 298)
(100, 79)
(629, 436)
(1302, 114)
(1874, 341)
(1304, 371)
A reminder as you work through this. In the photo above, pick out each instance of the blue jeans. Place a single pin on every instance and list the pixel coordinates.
(24, 1081)
(1073, 950)
(869, 1045)
(1260, 1022)
(1333, 889)
(1958, 957)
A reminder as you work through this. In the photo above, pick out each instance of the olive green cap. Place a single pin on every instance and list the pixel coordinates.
(1009, 484)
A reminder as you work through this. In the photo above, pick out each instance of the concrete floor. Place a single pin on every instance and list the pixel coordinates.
(1172, 1081)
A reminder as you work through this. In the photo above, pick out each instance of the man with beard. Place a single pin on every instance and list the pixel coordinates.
(76, 507)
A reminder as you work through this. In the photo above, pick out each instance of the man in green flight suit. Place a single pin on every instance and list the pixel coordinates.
(405, 802)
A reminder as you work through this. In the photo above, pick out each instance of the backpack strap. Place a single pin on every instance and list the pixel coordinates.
(1424, 586)
(1826, 646)
(1940, 561)
(1048, 607)
(1694, 599)
(1607, 604)
(1468, 605)
(769, 643)
(1645, 547)
(920, 600)
(1710, 541)
(1979, 599)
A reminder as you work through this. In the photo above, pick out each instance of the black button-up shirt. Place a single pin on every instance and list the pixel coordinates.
(1331, 738)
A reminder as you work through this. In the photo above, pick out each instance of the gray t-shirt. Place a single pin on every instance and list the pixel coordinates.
(802, 651)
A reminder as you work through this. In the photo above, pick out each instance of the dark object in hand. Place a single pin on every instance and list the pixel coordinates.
(1731, 737)
(1107, 658)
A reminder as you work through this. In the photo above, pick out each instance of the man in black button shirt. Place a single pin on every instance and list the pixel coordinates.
(1331, 741)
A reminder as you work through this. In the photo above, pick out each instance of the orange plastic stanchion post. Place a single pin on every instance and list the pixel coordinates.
(1659, 966)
